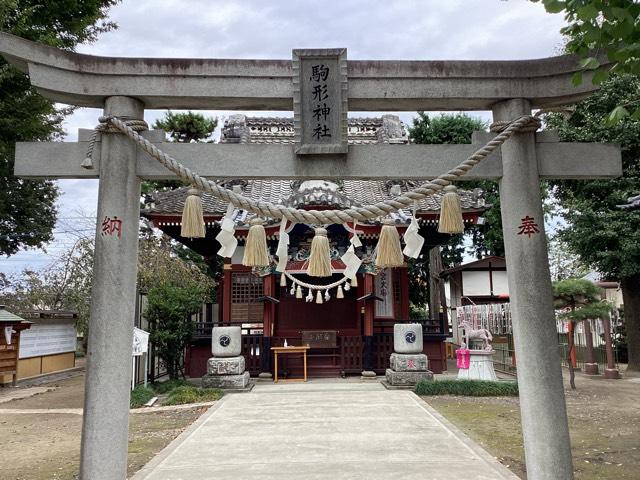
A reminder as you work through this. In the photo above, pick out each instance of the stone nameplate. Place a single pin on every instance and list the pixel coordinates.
(319, 338)
(320, 101)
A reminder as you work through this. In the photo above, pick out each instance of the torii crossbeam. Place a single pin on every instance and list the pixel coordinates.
(125, 86)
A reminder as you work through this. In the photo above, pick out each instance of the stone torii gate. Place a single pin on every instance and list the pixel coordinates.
(124, 87)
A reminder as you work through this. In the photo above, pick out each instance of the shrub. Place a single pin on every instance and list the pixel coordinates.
(191, 394)
(469, 388)
(166, 387)
(140, 395)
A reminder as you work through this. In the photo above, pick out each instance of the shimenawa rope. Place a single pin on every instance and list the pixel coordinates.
(110, 124)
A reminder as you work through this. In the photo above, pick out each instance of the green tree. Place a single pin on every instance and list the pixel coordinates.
(27, 207)
(169, 313)
(63, 285)
(605, 237)
(445, 129)
(455, 129)
(580, 300)
(603, 26)
(186, 127)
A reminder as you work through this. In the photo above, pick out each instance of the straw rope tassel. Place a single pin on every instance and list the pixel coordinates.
(450, 212)
(320, 257)
(354, 280)
(283, 280)
(256, 253)
(299, 292)
(192, 217)
(389, 250)
(340, 293)
(319, 297)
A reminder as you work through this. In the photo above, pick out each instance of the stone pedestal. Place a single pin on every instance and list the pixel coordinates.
(407, 378)
(408, 363)
(480, 366)
(226, 381)
(226, 366)
(591, 369)
(611, 373)
(416, 362)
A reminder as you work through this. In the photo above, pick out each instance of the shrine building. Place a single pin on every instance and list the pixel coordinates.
(346, 335)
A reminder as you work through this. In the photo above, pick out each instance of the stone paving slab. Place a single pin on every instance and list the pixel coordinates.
(323, 431)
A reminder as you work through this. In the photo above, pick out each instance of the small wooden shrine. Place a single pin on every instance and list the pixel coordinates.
(11, 326)
(350, 327)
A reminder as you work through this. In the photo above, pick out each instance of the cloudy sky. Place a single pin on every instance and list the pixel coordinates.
(400, 29)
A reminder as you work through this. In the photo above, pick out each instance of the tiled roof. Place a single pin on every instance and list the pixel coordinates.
(242, 129)
(350, 192)
(7, 317)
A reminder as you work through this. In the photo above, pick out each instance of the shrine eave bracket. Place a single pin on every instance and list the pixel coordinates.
(228, 84)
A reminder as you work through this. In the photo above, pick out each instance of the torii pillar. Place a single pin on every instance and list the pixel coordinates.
(105, 422)
(542, 404)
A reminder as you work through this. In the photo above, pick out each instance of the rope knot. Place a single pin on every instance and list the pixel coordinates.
(528, 123)
(106, 125)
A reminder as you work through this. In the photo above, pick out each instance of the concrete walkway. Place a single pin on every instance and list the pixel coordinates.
(322, 430)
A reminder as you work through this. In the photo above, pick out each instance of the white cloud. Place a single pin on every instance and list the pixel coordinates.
(417, 29)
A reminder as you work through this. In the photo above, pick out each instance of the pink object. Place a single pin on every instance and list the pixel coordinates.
(462, 358)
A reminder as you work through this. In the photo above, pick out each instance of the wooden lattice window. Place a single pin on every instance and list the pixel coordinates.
(245, 288)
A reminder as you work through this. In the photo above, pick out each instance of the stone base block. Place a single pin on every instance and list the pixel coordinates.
(406, 378)
(368, 375)
(226, 381)
(408, 362)
(480, 367)
(591, 369)
(611, 373)
(225, 365)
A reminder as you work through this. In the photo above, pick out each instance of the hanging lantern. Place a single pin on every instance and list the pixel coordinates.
(320, 257)
(451, 220)
(389, 250)
(256, 253)
(192, 216)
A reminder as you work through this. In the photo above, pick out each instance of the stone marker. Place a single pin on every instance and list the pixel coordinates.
(408, 364)
(226, 369)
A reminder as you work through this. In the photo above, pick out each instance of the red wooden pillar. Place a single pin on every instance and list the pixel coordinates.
(369, 306)
(227, 282)
(269, 313)
(369, 313)
(270, 289)
(403, 275)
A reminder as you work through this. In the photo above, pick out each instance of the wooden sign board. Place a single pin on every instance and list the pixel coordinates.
(320, 338)
(320, 90)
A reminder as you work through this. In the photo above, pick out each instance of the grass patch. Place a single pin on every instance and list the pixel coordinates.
(140, 395)
(165, 387)
(468, 388)
(190, 394)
